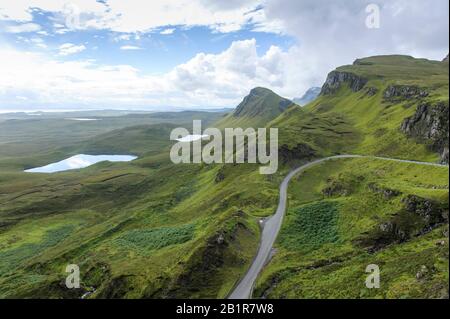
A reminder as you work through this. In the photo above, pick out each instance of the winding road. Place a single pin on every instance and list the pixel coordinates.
(272, 225)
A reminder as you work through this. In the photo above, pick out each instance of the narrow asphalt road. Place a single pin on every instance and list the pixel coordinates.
(272, 225)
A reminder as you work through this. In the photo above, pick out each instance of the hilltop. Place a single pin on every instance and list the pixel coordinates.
(393, 106)
(258, 108)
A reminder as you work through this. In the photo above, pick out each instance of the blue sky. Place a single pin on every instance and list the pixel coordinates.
(154, 52)
(87, 54)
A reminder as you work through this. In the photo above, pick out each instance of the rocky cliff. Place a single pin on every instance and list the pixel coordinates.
(336, 79)
(430, 124)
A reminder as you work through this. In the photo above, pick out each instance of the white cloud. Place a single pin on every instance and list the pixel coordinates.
(23, 28)
(168, 31)
(333, 33)
(206, 80)
(62, 31)
(51, 82)
(122, 37)
(134, 16)
(69, 48)
(20, 10)
(130, 47)
(226, 77)
(39, 43)
(329, 33)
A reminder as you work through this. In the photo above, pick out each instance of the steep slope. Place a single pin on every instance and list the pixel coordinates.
(150, 228)
(374, 97)
(256, 110)
(347, 214)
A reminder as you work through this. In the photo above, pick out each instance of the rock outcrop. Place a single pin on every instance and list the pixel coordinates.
(298, 152)
(336, 79)
(404, 92)
(371, 91)
(220, 176)
(432, 212)
(418, 216)
(430, 124)
(387, 193)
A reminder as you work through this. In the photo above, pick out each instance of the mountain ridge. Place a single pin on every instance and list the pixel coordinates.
(257, 109)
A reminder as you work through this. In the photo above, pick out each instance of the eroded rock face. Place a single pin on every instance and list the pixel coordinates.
(336, 79)
(386, 192)
(336, 187)
(429, 210)
(418, 216)
(220, 176)
(444, 155)
(300, 151)
(371, 91)
(430, 124)
(404, 92)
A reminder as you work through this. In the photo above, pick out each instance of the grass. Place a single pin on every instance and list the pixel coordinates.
(349, 122)
(131, 219)
(333, 264)
(151, 229)
(310, 226)
(256, 110)
(151, 239)
(10, 258)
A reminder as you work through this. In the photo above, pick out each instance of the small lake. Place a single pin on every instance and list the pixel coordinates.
(80, 161)
(192, 138)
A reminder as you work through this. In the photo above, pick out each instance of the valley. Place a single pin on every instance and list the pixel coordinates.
(153, 229)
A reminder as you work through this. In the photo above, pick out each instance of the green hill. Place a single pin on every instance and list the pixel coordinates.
(143, 229)
(153, 229)
(256, 110)
(347, 214)
(393, 106)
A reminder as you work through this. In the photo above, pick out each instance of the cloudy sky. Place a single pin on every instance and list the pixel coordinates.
(166, 54)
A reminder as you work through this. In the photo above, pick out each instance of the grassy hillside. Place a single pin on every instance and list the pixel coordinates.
(256, 110)
(152, 229)
(347, 214)
(21, 135)
(147, 228)
(367, 118)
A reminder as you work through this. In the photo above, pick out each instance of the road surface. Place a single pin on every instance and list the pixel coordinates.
(272, 225)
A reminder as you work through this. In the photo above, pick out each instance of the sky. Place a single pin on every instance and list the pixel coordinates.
(182, 54)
